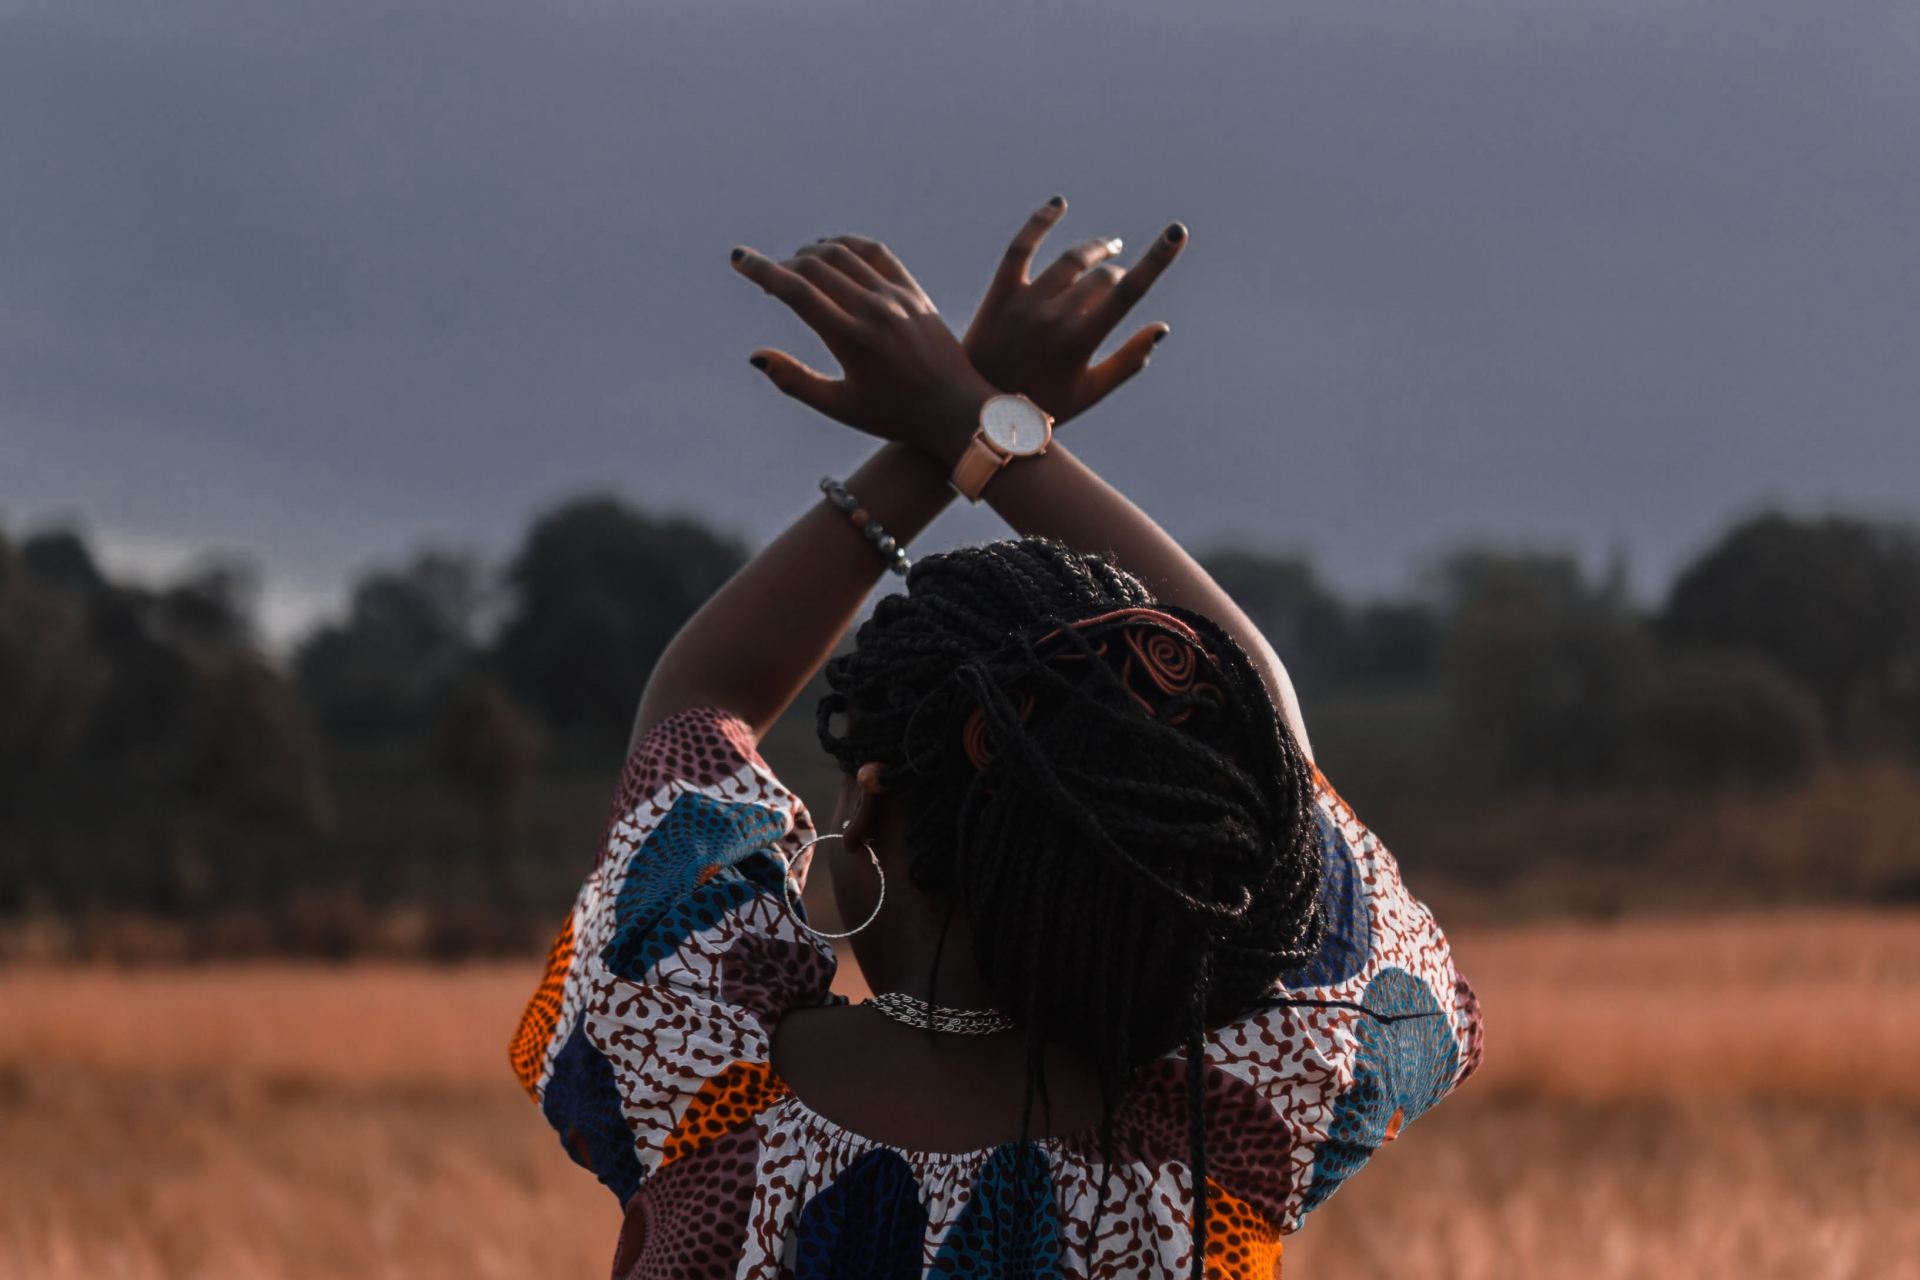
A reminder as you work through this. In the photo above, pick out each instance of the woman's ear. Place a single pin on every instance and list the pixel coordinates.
(860, 801)
(858, 819)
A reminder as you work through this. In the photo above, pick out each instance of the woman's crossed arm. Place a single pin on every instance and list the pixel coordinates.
(759, 639)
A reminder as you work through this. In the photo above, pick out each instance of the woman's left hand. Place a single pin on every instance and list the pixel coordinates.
(1038, 336)
(907, 377)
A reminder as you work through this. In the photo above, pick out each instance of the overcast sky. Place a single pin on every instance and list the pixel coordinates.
(321, 282)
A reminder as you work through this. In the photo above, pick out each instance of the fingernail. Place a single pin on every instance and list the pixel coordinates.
(758, 362)
(1114, 245)
(739, 254)
(1159, 335)
(1058, 202)
(1176, 233)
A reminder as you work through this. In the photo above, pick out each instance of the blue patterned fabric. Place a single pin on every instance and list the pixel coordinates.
(661, 901)
(582, 1103)
(1343, 905)
(867, 1224)
(1407, 1060)
(636, 949)
(1014, 1190)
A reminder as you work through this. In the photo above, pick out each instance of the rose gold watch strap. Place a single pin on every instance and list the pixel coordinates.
(976, 466)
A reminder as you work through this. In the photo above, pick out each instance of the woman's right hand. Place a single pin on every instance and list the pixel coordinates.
(1037, 337)
(906, 376)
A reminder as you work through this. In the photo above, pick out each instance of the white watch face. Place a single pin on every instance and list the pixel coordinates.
(1013, 424)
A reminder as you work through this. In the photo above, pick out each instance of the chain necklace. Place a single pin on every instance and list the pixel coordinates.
(916, 1012)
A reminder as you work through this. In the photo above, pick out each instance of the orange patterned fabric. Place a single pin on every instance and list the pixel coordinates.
(1241, 1244)
(542, 1014)
(728, 1101)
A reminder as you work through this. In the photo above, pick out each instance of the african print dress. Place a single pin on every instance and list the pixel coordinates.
(648, 1043)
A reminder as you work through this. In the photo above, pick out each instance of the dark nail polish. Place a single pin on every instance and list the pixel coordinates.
(1159, 335)
(1176, 233)
(739, 254)
(758, 362)
(1056, 203)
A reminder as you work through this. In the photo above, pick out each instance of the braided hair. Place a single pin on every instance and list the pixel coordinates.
(1103, 786)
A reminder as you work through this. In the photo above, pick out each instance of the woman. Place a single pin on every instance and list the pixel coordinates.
(1079, 844)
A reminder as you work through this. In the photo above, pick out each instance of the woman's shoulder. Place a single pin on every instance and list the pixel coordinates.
(704, 749)
(1346, 1050)
(682, 952)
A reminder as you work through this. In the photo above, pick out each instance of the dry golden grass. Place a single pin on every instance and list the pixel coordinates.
(1684, 1098)
(1547, 1190)
(1817, 1007)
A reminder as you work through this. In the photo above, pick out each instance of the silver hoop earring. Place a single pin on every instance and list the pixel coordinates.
(786, 889)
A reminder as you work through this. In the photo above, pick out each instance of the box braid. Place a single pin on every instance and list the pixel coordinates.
(1133, 873)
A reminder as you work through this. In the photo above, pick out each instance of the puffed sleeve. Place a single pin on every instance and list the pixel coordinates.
(681, 952)
(1345, 1051)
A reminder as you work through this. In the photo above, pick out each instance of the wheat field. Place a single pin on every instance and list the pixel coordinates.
(1676, 1098)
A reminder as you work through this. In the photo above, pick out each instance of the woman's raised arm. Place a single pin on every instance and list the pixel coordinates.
(753, 646)
(756, 642)
(1036, 336)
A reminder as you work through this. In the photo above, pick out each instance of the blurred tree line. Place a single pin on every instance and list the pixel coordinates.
(1786, 640)
(425, 771)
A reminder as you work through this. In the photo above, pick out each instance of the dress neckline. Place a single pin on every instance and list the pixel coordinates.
(832, 1131)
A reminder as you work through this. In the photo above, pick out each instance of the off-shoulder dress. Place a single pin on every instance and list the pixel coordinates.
(648, 1044)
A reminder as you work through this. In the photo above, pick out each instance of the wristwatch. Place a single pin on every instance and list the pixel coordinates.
(1010, 427)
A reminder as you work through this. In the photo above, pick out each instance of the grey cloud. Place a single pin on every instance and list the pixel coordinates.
(321, 281)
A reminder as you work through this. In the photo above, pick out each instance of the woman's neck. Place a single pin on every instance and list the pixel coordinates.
(906, 945)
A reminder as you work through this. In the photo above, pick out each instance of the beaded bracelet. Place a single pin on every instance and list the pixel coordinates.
(890, 550)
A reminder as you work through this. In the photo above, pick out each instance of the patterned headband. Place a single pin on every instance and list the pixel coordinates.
(1160, 661)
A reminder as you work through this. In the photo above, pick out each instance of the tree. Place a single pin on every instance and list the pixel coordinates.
(60, 561)
(51, 675)
(146, 721)
(488, 750)
(252, 752)
(212, 607)
(1392, 643)
(408, 634)
(149, 646)
(1835, 602)
(597, 592)
(1728, 717)
(1546, 673)
(1306, 623)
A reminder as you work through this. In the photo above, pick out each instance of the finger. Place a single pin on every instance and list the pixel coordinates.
(811, 305)
(1012, 272)
(809, 386)
(1112, 308)
(1130, 359)
(848, 264)
(881, 259)
(845, 293)
(1068, 266)
(1088, 291)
